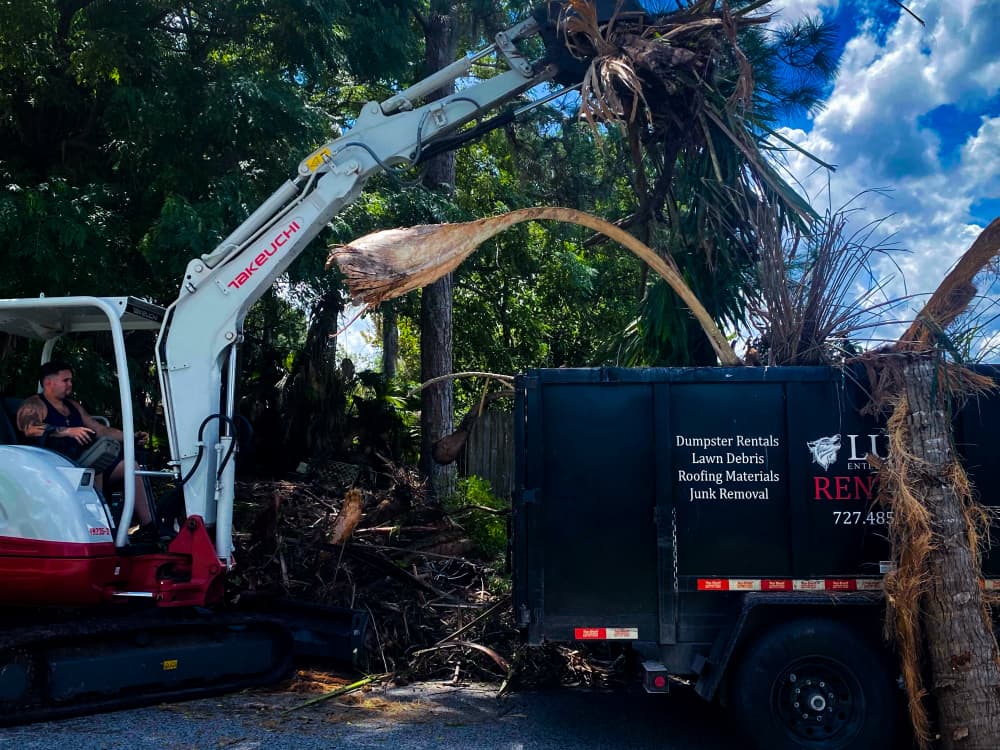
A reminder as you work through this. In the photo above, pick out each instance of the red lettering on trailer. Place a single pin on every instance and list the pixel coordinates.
(778, 585)
(713, 584)
(262, 258)
(844, 488)
(100, 531)
(821, 484)
(864, 487)
(838, 584)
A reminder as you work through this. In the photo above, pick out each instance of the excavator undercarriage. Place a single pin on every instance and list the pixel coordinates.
(59, 664)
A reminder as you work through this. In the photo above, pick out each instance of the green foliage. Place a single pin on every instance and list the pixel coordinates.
(134, 136)
(471, 507)
(538, 294)
(385, 420)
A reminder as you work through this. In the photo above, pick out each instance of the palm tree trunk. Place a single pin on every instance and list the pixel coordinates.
(960, 639)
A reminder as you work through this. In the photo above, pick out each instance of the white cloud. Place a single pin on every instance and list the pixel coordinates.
(981, 159)
(875, 129)
(794, 10)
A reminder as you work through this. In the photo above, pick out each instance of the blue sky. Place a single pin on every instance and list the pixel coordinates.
(915, 110)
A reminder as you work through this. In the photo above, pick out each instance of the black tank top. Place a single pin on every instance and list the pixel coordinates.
(65, 445)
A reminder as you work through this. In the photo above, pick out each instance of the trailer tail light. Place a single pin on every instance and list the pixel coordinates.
(655, 677)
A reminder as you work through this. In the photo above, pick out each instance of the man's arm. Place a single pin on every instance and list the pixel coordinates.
(102, 430)
(99, 429)
(31, 422)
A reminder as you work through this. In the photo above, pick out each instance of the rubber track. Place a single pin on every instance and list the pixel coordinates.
(31, 641)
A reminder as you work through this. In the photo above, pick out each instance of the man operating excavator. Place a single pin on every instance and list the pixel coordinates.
(61, 424)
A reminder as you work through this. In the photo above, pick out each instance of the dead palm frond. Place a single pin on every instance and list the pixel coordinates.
(390, 263)
(813, 290)
(679, 78)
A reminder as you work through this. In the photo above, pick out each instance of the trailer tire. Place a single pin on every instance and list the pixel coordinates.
(817, 684)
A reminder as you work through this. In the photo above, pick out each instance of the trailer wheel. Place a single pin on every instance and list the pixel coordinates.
(816, 684)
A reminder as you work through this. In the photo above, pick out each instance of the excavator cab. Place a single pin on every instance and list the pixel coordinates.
(64, 566)
(52, 518)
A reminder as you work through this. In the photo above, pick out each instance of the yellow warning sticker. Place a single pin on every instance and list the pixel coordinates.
(315, 161)
(169, 664)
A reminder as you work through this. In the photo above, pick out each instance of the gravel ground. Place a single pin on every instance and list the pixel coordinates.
(427, 715)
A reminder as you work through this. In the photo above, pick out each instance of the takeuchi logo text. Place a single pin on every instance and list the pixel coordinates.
(262, 258)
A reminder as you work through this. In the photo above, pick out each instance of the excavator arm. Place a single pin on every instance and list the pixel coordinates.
(196, 350)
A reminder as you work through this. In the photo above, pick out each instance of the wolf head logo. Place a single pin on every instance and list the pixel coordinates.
(824, 450)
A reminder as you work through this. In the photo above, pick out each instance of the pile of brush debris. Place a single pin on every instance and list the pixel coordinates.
(438, 609)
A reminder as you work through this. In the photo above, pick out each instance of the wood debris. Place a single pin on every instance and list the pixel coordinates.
(438, 609)
(385, 548)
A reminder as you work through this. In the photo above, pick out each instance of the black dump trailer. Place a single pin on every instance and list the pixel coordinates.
(724, 522)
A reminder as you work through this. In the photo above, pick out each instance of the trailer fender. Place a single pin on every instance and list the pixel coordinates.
(758, 610)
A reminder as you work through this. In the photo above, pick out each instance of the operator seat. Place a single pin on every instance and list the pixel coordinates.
(8, 421)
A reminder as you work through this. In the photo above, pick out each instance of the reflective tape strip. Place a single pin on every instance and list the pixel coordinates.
(867, 584)
(789, 584)
(606, 634)
(805, 584)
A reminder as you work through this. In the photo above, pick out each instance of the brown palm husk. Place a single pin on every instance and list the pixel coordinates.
(678, 80)
(654, 71)
(912, 530)
(387, 264)
(911, 533)
(349, 516)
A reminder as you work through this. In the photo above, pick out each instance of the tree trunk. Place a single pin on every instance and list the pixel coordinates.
(960, 640)
(390, 340)
(315, 405)
(437, 408)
